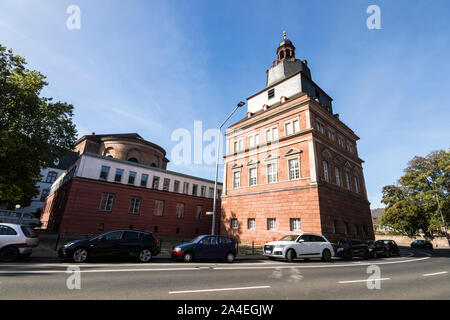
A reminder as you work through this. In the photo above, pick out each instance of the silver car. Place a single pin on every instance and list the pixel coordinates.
(23, 218)
(15, 241)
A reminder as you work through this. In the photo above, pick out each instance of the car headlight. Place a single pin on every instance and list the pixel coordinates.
(370, 249)
(280, 246)
(340, 249)
(69, 244)
(177, 249)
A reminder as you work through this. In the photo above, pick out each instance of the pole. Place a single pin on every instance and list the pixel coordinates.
(240, 104)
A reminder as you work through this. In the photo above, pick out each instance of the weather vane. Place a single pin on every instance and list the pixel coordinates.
(284, 35)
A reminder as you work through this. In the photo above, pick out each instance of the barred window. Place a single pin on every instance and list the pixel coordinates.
(180, 210)
(135, 204)
(251, 223)
(271, 224)
(106, 202)
(296, 224)
(159, 208)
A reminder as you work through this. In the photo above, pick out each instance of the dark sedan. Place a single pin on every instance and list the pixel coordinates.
(117, 243)
(206, 247)
(378, 249)
(392, 247)
(352, 248)
(422, 244)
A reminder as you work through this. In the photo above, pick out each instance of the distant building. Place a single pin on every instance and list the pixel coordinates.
(292, 165)
(49, 175)
(376, 220)
(124, 184)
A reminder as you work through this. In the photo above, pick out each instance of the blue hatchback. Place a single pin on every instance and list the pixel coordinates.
(206, 247)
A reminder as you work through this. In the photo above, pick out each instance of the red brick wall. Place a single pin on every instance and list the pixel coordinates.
(81, 213)
(282, 205)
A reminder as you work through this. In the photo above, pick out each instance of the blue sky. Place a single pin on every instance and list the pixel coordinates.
(152, 67)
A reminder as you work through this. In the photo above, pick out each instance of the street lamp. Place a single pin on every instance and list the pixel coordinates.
(240, 104)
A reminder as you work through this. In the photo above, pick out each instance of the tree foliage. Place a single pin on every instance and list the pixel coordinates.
(419, 197)
(34, 131)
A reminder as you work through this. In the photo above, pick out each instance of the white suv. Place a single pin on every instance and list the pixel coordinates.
(306, 245)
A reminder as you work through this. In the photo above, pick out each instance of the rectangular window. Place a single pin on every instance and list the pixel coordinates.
(51, 177)
(135, 204)
(176, 186)
(320, 127)
(271, 93)
(296, 126)
(346, 228)
(333, 226)
(347, 180)
(338, 176)
(203, 191)
(356, 229)
(180, 210)
(272, 134)
(166, 184)
(288, 128)
(104, 173)
(155, 183)
(144, 179)
(199, 212)
(355, 178)
(253, 176)
(325, 171)
(271, 173)
(131, 177)
(271, 224)
(296, 224)
(106, 203)
(194, 189)
(159, 208)
(251, 141)
(118, 177)
(234, 224)
(211, 192)
(251, 223)
(236, 179)
(341, 141)
(186, 187)
(294, 169)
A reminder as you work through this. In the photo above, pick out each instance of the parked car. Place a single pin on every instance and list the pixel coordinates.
(22, 218)
(377, 249)
(422, 244)
(16, 241)
(392, 247)
(304, 246)
(206, 247)
(352, 248)
(116, 243)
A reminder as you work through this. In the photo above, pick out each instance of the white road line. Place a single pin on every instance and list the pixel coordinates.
(434, 274)
(222, 289)
(99, 271)
(354, 281)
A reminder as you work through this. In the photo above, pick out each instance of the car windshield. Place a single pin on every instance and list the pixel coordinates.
(291, 237)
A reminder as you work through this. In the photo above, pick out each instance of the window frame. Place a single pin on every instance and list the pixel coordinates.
(135, 205)
(105, 207)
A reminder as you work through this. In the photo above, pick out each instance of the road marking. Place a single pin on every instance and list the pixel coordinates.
(222, 289)
(100, 271)
(434, 274)
(367, 280)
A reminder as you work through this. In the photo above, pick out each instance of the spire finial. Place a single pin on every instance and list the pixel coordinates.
(284, 35)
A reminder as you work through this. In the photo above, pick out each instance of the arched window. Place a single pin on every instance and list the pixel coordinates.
(325, 171)
(133, 160)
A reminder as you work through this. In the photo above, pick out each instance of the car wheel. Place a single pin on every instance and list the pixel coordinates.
(9, 254)
(290, 255)
(229, 257)
(80, 255)
(326, 255)
(144, 255)
(188, 257)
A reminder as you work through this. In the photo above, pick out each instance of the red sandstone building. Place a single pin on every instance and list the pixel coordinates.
(120, 181)
(292, 165)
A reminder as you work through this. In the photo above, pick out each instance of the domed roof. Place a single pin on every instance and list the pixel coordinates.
(285, 42)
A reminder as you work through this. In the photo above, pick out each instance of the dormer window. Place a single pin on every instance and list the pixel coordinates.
(271, 93)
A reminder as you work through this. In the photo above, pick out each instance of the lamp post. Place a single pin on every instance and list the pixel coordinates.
(240, 104)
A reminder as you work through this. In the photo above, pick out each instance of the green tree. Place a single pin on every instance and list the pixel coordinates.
(419, 197)
(34, 131)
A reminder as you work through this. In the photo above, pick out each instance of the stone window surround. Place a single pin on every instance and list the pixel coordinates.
(291, 122)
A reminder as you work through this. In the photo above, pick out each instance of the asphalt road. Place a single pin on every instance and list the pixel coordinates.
(418, 274)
